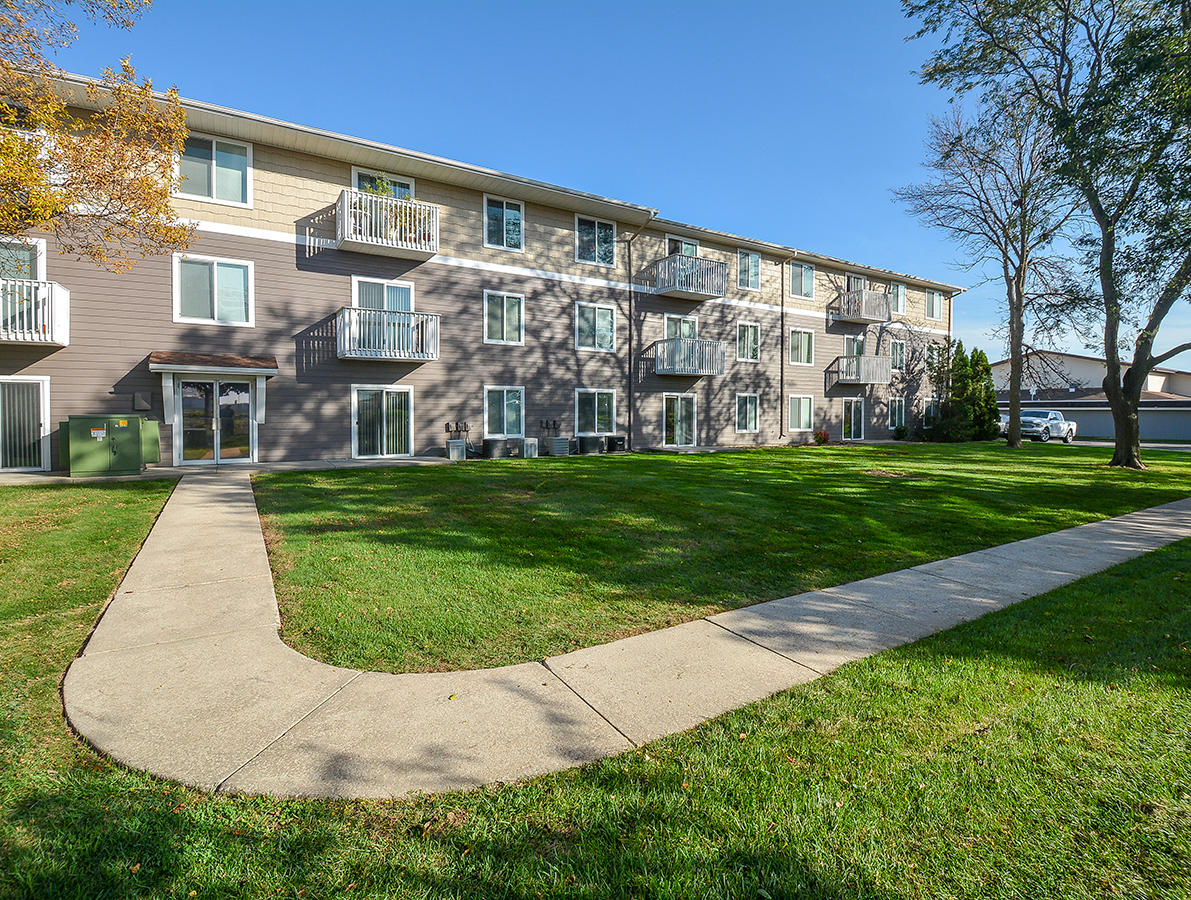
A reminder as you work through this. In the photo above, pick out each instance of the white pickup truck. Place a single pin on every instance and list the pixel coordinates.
(1044, 424)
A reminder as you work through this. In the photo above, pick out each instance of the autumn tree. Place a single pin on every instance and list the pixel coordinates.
(94, 168)
(1113, 79)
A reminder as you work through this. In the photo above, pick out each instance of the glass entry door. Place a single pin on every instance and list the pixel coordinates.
(216, 421)
(853, 419)
(679, 425)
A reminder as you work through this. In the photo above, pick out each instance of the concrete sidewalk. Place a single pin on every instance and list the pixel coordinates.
(185, 675)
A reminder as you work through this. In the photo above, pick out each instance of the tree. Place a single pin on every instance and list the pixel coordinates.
(982, 397)
(993, 192)
(1113, 78)
(99, 181)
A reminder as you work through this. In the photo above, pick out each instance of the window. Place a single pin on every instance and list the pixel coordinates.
(748, 270)
(215, 291)
(595, 327)
(681, 247)
(898, 293)
(216, 170)
(746, 413)
(897, 411)
(857, 282)
(682, 327)
(801, 412)
(23, 260)
(504, 318)
(897, 355)
(383, 419)
(932, 355)
(382, 183)
(376, 293)
(931, 413)
(854, 345)
(802, 347)
(595, 411)
(595, 241)
(504, 412)
(748, 342)
(502, 223)
(934, 305)
(802, 280)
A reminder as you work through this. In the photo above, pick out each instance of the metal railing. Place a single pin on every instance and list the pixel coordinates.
(689, 356)
(865, 306)
(691, 276)
(401, 226)
(386, 334)
(34, 312)
(864, 369)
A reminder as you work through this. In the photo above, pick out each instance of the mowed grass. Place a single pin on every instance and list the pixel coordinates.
(469, 566)
(1043, 751)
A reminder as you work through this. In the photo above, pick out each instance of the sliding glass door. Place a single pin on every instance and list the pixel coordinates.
(383, 422)
(679, 420)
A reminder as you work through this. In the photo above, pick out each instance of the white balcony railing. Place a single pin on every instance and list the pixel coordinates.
(864, 306)
(689, 356)
(864, 369)
(372, 223)
(34, 312)
(386, 334)
(690, 277)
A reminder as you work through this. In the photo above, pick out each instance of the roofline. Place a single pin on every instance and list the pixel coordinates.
(1096, 359)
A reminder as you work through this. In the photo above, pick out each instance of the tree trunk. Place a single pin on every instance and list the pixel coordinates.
(1123, 400)
(1016, 364)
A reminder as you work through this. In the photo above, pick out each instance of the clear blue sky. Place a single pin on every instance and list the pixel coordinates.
(786, 121)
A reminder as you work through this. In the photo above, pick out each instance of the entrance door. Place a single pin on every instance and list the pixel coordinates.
(853, 419)
(216, 421)
(22, 441)
(679, 424)
(384, 422)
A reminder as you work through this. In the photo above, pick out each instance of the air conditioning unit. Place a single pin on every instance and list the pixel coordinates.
(529, 448)
(558, 446)
(457, 451)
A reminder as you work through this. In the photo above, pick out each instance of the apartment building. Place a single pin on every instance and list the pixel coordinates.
(344, 298)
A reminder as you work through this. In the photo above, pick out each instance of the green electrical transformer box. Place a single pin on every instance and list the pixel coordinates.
(108, 445)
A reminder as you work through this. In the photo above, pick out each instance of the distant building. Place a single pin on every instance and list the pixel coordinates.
(1072, 383)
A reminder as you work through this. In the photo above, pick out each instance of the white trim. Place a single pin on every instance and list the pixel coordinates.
(675, 237)
(177, 290)
(175, 417)
(905, 296)
(209, 370)
(893, 357)
(790, 425)
(247, 145)
(756, 398)
(387, 282)
(756, 325)
(760, 277)
(354, 422)
(484, 324)
(43, 412)
(666, 317)
(843, 421)
(695, 426)
(388, 176)
(599, 222)
(853, 340)
(504, 387)
(615, 324)
(890, 403)
(790, 274)
(484, 222)
(39, 255)
(926, 307)
(863, 278)
(597, 392)
(790, 355)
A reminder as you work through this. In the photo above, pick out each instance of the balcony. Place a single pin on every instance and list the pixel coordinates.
(864, 307)
(690, 277)
(371, 223)
(864, 369)
(34, 312)
(688, 356)
(386, 334)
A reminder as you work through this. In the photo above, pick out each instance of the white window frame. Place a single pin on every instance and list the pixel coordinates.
(739, 272)
(484, 223)
(177, 290)
(599, 222)
(743, 324)
(668, 316)
(892, 405)
(39, 261)
(355, 413)
(248, 187)
(893, 356)
(846, 401)
(756, 398)
(44, 412)
(388, 176)
(798, 293)
(595, 391)
(675, 237)
(933, 350)
(852, 340)
(791, 360)
(938, 295)
(503, 387)
(894, 306)
(615, 326)
(791, 424)
(694, 427)
(357, 280)
(863, 280)
(520, 342)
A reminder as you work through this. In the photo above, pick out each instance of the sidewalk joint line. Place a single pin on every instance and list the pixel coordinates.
(566, 684)
(745, 637)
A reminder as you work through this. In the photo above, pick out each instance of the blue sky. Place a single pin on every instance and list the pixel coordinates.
(790, 122)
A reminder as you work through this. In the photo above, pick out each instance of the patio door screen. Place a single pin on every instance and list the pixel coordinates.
(21, 442)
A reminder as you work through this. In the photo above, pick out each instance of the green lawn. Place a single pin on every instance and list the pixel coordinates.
(1042, 752)
(489, 563)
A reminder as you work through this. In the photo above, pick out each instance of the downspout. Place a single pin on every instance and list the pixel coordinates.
(632, 324)
(783, 403)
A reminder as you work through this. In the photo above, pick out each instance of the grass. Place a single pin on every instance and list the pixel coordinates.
(1043, 751)
(485, 564)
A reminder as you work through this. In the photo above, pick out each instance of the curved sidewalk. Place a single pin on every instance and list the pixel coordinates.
(185, 675)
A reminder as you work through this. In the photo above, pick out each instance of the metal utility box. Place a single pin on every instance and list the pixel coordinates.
(108, 445)
(529, 448)
(456, 450)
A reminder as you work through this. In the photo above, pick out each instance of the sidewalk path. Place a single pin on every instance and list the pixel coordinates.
(185, 675)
